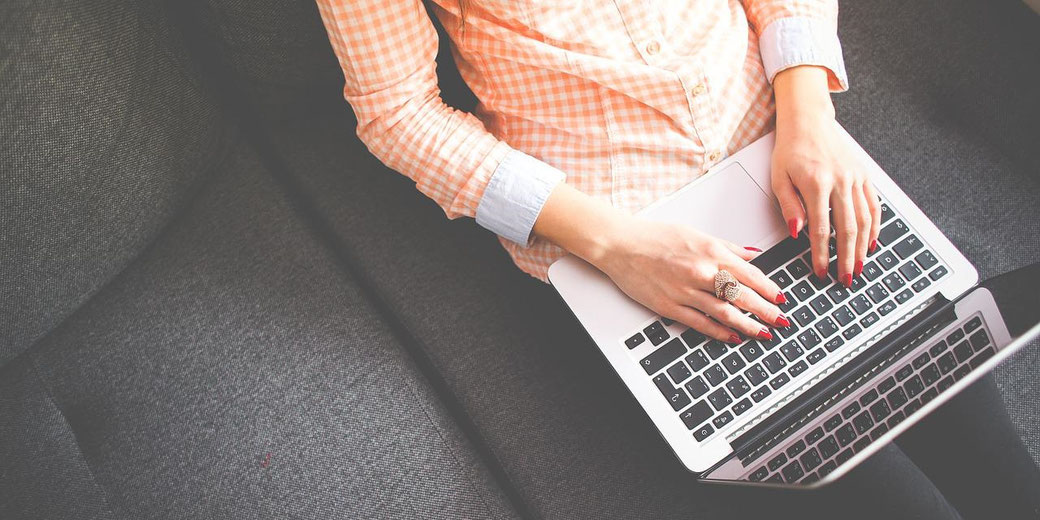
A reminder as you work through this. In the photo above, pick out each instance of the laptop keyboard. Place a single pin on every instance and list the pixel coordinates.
(879, 407)
(709, 383)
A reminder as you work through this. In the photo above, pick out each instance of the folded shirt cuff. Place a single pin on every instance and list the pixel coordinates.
(514, 196)
(789, 42)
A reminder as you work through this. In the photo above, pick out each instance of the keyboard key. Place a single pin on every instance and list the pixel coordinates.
(893, 281)
(723, 419)
(880, 410)
(961, 372)
(904, 296)
(921, 360)
(635, 341)
(751, 350)
(656, 332)
(887, 261)
(692, 338)
(962, 351)
(695, 415)
(811, 459)
(779, 381)
(715, 375)
(716, 348)
(697, 387)
(861, 304)
(719, 399)
(871, 271)
(792, 472)
(802, 291)
(981, 357)
(756, 375)
(777, 462)
(938, 348)
(814, 435)
(973, 324)
(945, 383)
(886, 385)
(878, 432)
(928, 395)
(797, 368)
(675, 396)
(930, 374)
(912, 407)
(979, 340)
(804, 316)
(788, 305)
(868, 397)
(850, 410)
(858, 284)
(869, 320)
(863, 423)
(876, 293)
(791, 351)
(845, 435)
(904, 372)
(742, 406)
(955, 336)
(938, 273)
(774, 362)
(667, 322)
(663, 356)
(886, 308)
(770, 344)
(852, 331)
(896, 398)
(697, 360)
(733, 363)
(921, 284)
(760, 394)
(861, 444)
(891, 232)
(833, 343)
(781, 278)
(828, 447)
(910, 271)
(913, 386)
(926, 260)
(895, 419)
(759, 474)
(908, 246)
(703, 432)
(886, 213)
(843, 315)
(798, 269)
(826, 327)
(821, 304)
(843, 456)
(833, 422)
(827, 468)
(946, 363)
(815, 356)
(837, 293)
(809, 338)
(679, 373)
(738, 386)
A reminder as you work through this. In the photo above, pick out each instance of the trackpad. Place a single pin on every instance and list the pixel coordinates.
(728, 204)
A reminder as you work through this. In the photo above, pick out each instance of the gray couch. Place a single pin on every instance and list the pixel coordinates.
(215, 304)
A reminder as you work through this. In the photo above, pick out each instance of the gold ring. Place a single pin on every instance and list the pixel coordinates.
(726, 286)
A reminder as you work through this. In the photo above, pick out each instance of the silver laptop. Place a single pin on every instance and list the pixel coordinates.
(857, 366)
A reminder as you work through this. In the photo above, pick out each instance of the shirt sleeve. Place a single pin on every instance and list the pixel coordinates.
(387, 50)
(799, 32)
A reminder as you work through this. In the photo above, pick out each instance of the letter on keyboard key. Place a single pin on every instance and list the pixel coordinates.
(696, 414)
(871, 271)
(909, 270)
(843, 315)
(781, 278)
(719, 399)
(809, 338)
(697, 387)
(821, 304)
(804, 316)
(663, 356)
(826, 327)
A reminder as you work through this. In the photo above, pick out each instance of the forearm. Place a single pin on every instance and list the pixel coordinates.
(583, 225)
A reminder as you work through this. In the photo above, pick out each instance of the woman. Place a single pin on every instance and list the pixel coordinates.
(591, 110)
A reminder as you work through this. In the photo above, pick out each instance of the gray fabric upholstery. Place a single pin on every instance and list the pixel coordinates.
(105, 130)
(235, 335)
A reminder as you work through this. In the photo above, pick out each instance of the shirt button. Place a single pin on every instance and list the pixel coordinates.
(714, 156)
(699, 89)
(653, 47)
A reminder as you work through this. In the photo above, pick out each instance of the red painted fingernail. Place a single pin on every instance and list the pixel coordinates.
(780, 298)
(733, 338)
(821, 274)
(873, 245)
(755, 249)
(764, 334)
(846, 279)
(781, 321)
(792, 225)
(859, 268)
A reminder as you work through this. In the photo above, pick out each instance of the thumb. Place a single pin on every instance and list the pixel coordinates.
(790, 204)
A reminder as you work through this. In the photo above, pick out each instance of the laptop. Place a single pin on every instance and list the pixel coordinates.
(857, 366)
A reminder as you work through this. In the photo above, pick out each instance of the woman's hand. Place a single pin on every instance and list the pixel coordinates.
(671, 270)
(817, 176)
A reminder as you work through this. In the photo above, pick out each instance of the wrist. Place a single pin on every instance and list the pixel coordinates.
(802, 98)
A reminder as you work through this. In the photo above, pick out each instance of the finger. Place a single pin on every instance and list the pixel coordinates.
(863, 224)
(747, 253)
(698, 321)
(875, 214)
(790, 204)
(728, 315)
(753, 278)
(843, 211)
(819, 229)
(765, 311)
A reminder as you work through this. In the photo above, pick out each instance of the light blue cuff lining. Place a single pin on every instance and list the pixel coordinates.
(515, 195)
(788, 42)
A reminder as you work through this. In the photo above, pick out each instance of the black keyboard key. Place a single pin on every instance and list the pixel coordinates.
(791, 351)
(667, 321)
(886, 213)
(777, 462)
(978, 340)
(937, 273)
(938, 348)
(837, 293)
(827, 468)
(912, 407)
(895, 419)
(850, 410)
(756, 375)
(723, 419)
(863, 423)
(663, 356)
(904, 296)
(913, 386)
(921, 360)
(828, 447)
(921, 284)
(832, 423)
(804, 316)
(742, 406)
(798, 268)
(759, 474)
(869, 320)
(981, 357)
(774, 362)
(861, 444)
(792, 472)
(695, 415)
(946, 363)
(846, 434)
(761, 393)
(945, 383)
(814, 435)
(802, 291)
(809, 338)
(973, 324)
(868, 397)
(896, 398)
(852, 331)
(930, 374)
(910, 271)
(871, 271)
(961, 372)
(779, 381)
(655, 331)
(821, 304)
(719, 399)
(962, 351)
(781, 278)
(908, 246)
(797, 368)
(876, 293)
(738, 386)
(715, 375)
(679, 373)
(635, 341)
(826, 327)
(716, 348)
(880, 410)
(955, 336)
(893, 281)
(886, 385)
(692, 338)
(891, 232)
(785, 332)
(796, 448)
(697, 360)
(926, 260)
(675, 396)
(928, 395)
(811, 459)
(843, 315)
(858, 283)
(904, 372)
(886, 308)
(697, 387)
(878, 432)
(703, 432)
(770, 344)
(782, 252)
(815, 356)
(861, 304)
(833, 343)
(751, 350)
(887, 261)
(733, 363)
(788, 305)
(843, 456)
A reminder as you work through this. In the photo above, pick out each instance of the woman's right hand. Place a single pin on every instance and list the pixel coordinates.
(671, 269)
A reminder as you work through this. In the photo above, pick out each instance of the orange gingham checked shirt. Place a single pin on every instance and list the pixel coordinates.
(627, 100)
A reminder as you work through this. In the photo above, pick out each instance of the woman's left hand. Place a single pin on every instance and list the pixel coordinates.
(819, 178)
